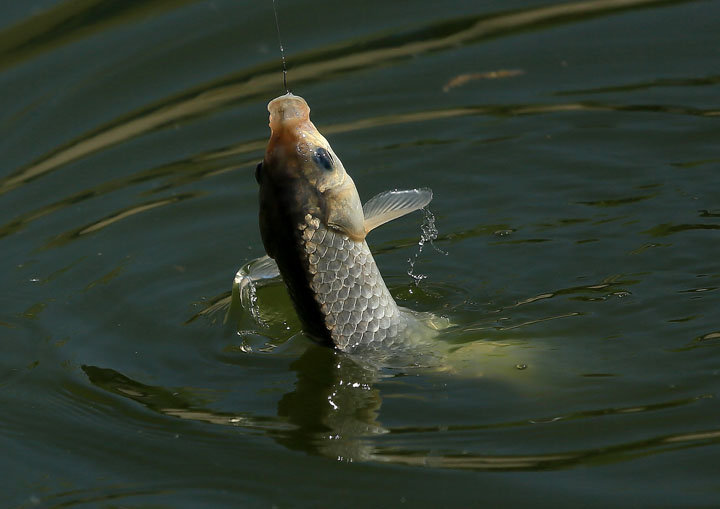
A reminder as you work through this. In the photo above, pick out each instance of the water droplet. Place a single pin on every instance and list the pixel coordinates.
(520, 366)
(428, 233)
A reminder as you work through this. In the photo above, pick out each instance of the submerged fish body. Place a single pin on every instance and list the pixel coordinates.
(314, 226)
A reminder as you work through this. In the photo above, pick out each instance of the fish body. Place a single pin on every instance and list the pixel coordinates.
(314, 226)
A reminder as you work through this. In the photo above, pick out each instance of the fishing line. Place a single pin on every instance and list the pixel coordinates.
(282, 50)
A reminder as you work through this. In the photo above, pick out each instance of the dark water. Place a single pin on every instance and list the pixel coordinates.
(576, 174)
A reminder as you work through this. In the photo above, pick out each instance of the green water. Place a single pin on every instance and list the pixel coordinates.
(576, 175)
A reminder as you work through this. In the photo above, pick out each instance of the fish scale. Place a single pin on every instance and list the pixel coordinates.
(357, 307)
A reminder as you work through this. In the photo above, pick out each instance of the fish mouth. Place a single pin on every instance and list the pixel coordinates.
(291, 131)
(294, 139)
(288, 110)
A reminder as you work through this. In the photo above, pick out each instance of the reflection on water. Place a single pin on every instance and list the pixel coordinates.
(610, 286)
(212, 164)
(177, 402)
(317, 65)
(334, 406)
(67, 22)
(115, 217)
(334, 411)
(663, 230)
(664, 82)
(572, 149)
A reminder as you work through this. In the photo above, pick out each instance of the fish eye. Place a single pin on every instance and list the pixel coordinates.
(258, 170)
(323, 158)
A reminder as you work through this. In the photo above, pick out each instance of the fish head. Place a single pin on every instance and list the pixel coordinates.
(301, 174)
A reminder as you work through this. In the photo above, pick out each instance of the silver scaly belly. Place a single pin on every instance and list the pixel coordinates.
(356, 305)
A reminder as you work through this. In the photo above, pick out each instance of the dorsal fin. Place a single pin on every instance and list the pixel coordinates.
(390, 205)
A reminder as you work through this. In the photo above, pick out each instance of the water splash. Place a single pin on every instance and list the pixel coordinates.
(255, 273)
(428, 234)
(249, 299)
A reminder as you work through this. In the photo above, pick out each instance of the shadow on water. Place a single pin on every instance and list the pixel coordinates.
(334, 411)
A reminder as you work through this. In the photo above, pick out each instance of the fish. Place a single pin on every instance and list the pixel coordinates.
(314, 227)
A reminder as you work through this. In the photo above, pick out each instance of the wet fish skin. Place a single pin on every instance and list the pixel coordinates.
(313, 225)
(357, 307)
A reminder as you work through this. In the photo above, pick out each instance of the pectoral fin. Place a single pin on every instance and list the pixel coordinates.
(390, 205)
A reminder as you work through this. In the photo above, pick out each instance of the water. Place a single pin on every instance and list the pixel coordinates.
(573, 153)
(428, 234)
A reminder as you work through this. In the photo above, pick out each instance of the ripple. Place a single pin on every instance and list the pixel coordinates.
(67, 22)
(709, 336)
(554, 460)
(318, 65)
(617, 201)
(100, 495)
(177, 174)
(656, 83)
(609, 286)
(113, 218)
(527, 323)
(551, 460)
(589, 373)
(176, 402)
(665, 229)
(695, 163)
(184, 172)
(699, 289)
(198, 168)
(463, 79)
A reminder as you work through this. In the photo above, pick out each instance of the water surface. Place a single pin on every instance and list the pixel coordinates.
(572, 148)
